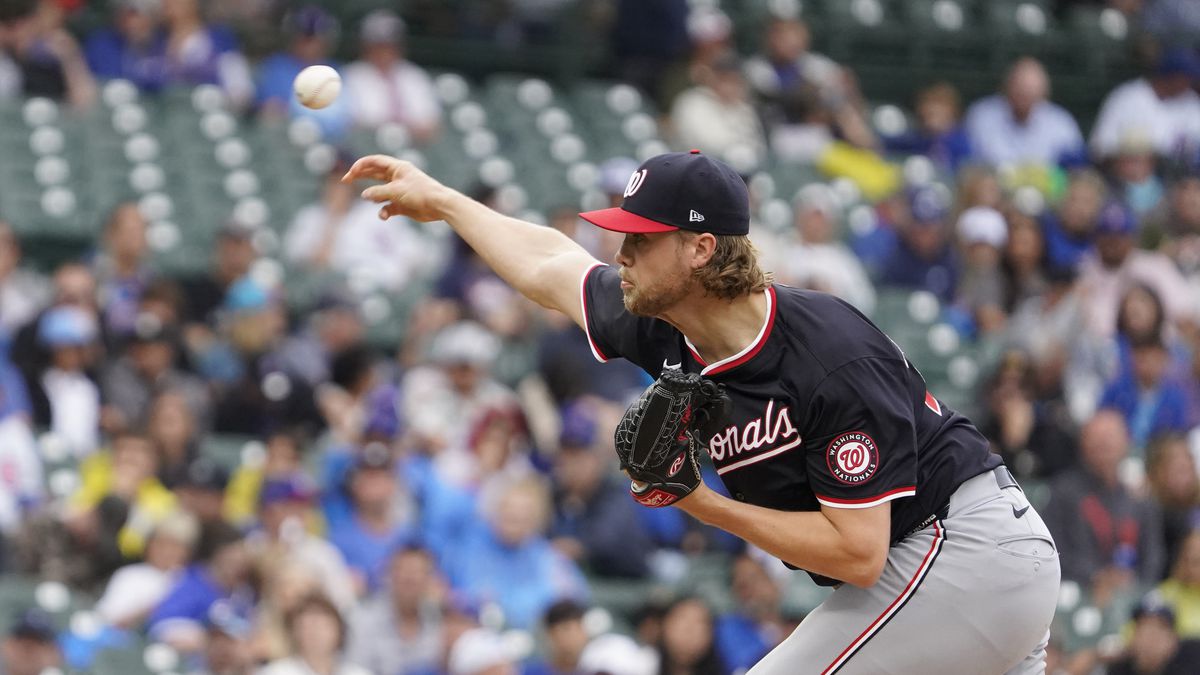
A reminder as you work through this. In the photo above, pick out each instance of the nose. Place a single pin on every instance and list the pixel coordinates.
(622, 256)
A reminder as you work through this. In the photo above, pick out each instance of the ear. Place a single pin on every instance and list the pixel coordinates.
(701, 248)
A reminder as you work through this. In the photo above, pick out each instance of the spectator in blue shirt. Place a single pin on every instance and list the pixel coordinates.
(508, 561)
(133, 48)
(756, 623)
(1069, 229)
(1151, 402)
(378, 523)
(221, 574)
(923, 257)
(312, 33)
(939, 134)
(203, 53)
(1021, 127)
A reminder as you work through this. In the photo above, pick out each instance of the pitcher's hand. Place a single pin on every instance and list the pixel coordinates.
(406, 190)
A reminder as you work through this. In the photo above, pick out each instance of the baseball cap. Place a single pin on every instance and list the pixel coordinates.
(205, 474)
(1178, 61)
(34, 624)
(310, 21)
(616, 654)
(578, 426)
(1154, 604)
(465, 342)
(225, 617)
(236, 229)
(680, 191)
(480, 649)
(1115, 219)
(382, 26)
(293, 487)
(149, 327)
(982, 225)
(246, 295)
(375, 456)
(928, 204)
(67, 326)
(382, 418)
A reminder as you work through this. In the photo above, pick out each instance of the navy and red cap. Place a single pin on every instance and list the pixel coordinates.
(680, 191)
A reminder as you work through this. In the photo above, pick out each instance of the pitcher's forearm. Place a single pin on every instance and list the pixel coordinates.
(519, 252)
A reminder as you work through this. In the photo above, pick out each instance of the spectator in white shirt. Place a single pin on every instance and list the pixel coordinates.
(383, 86)
(344, 233)
(135, 590)
(1020, 126)
(65, 396)
(718, 117)
(1161, 108)
(817, 259)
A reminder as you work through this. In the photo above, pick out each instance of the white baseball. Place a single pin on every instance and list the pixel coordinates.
(317, 86)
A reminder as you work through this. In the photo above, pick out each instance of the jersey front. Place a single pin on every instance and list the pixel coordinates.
(826, 408)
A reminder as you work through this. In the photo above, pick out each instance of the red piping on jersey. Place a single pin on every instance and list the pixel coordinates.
(583, 303)
(750, 352)
(939, 537)
(907, 491)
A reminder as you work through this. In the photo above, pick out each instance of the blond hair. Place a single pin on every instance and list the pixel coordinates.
(733, 269)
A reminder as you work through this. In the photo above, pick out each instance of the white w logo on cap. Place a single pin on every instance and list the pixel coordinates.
(635, 182)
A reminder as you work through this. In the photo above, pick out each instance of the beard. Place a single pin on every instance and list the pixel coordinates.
(656, 298)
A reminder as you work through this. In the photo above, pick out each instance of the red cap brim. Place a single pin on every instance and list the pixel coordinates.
(618, 219)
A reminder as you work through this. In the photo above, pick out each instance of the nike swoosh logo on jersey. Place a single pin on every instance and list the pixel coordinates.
(668, 366)
(1017, 513)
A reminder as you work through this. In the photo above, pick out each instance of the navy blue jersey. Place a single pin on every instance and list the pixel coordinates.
(826, 408)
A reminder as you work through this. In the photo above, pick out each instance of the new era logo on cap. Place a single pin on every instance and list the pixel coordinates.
(680, 191)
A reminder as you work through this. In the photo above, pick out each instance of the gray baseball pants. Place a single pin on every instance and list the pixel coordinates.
(971, 593)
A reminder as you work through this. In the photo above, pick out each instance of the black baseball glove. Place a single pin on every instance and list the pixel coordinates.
(660, 436)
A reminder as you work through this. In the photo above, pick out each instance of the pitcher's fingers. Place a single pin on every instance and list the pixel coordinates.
(379, 193)
(376, 167)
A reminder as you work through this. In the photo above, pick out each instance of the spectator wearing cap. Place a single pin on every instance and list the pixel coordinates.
(384, 86)
(232, 255)
(228, 649)
(922, 257)
(1020, 126)
(817, 259)
(343, 233)
(122, 268)
(1149, 398)
(616, 654)
(73, 286)
(133, 48)
(939, 133)
(201, 490)
(1069, 228)
(30, 646)
(221, 572)
(148, 369)
(593, 522)
(286, 514)
(283, 458)
(312, 34)
(1181, 589)
(41, 58)
(482, 651)
(317, 636)
(566, 638)
(400, 628)
(717, 116)
(136, 589)
(1114, 537)
(1156, 646)
(444, 400)
(1161, 108)
(983, 234)
(203, 53)
(379, 520)
(1117, 264)
(334, 326)
(64, 395)
(787, 67)
(1133, 171)
(508, 560)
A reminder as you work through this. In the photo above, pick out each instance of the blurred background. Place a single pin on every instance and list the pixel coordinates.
(245, 426)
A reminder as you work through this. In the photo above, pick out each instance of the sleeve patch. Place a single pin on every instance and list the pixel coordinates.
(852, 458)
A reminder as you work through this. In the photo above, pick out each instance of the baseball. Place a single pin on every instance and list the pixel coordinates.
(317, 86)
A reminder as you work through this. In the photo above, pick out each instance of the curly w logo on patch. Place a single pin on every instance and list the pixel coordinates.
(852, 458)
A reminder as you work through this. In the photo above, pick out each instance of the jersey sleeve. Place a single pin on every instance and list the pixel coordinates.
(612, 331)
(860, 441)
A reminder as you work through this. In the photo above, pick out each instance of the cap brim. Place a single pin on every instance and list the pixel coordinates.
(618, 219)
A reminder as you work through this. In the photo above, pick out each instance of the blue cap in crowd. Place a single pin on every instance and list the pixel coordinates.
(578, 427)
(1153, 604)
(294, 487)
(1179, 61)
(67, 326)
(383, 420)
(246, 295)
(310, 21)
(1115, 219)
(34, 624)
(928, 204)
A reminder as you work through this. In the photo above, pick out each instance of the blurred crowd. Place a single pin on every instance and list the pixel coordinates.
(450, 504)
